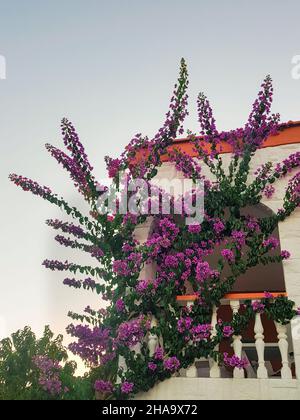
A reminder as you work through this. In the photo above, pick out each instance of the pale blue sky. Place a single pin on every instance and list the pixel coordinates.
(110, 67)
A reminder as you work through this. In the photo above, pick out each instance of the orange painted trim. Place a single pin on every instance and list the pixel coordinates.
(234, 296)
(185, 298)
(290, 134)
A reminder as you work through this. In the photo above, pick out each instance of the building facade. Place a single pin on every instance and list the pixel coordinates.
(273, 350)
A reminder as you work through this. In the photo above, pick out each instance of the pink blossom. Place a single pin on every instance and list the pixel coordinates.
(127, 387)
(159, 353)
(258, 307)
(152, 366)
(103, 386)
(172, 364)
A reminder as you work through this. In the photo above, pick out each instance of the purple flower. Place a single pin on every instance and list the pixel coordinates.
(228, 331)
(92, 344)
(127, 387)
(49, 374)
(132, 332)
(253, 225)
(120, 305)
(113, 166)
(171, 261)
(228, 255)
(152, 366)
(66, 227)
(142, 286)
(121, 268)
(235, 361)
(77, 171)
(185, 163)
(72, 283)
(103, 386)
(268, 295)
(201, 332)
(28, 185)
(130, 218)
(159, 353)
(168, 228)
(184, 324)
(95, 251)
(285, 255)
(218, 227)
(127, 248)
(239, 238)
(89, 283)
(269, 191)
(203, 271)
(298, 311)
(271, 243)
(258, 307)
(172, 364)
(194, 228)
(56, 265)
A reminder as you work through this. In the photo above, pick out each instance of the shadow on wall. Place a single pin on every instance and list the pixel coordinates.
(260, 278)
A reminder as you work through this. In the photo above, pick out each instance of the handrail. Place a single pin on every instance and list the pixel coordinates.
(234, 296)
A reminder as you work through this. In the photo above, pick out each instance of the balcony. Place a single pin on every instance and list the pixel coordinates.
(267, 346)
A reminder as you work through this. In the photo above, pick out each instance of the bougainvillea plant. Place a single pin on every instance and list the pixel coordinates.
(120, 330)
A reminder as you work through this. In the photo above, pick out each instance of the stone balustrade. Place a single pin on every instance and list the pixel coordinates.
(259, 367)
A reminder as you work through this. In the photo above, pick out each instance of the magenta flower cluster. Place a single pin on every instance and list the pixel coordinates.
(49, 375)
(87, 283)
(92, 344)
(132, 332)
(127, 387)
(66, 227)
(120, 305)
(258, 307)
(103, 386)
(228, 331)
(57, 265)
(271, 243)
(228, 255)
(172, 364)
(28, 185)
(152, 366)
(235, 361)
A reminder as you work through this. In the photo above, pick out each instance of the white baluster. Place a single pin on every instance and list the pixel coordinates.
(262, 372)
(286, 372)
(137, 348)
(191, 371)
(237, 342)
(122, 364)
(214, 371)
(152, 339)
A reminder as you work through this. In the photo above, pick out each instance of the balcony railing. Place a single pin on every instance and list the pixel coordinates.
(253, 347)
(256, 350)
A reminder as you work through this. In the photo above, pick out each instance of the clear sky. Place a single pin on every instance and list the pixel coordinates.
(110, 67)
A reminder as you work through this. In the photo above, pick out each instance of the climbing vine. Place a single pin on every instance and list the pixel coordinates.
(138, 307)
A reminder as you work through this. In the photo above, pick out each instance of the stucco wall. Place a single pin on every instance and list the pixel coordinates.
(223, 389)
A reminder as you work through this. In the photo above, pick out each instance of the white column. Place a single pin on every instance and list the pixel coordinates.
(121, 364)
(137, 348)
(191, 371)
(262, 372)
(237, 342)
(152, 339)
(286, 372)
(214, 371)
